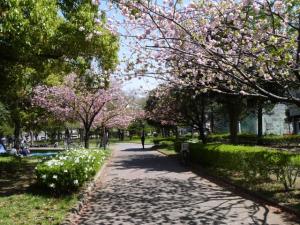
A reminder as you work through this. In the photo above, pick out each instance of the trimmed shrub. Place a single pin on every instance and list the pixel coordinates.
(278, 140)
(281, 140)
(157, 141)
(69, 170)
(168, 140)
(252, 162)
(218, 137)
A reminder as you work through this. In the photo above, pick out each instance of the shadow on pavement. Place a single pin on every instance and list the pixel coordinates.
(138, 149)
(174, 198)
(167, 201)
(149, 162)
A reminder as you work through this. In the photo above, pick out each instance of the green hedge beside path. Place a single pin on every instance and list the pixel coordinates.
(253, 163)
(69, 170)
(268, 140)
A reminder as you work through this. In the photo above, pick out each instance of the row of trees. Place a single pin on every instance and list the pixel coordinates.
(95, 107)
(169, 106)
(246, 49)
(41, 43)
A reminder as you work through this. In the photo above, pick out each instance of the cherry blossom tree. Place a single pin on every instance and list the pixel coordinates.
(118, 113)
(168, 105)
(239, 48)
(72, 101)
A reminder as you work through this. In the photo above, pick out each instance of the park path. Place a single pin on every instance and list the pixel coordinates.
(145, 187)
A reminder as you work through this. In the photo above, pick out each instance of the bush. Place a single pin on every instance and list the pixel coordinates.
(252, 162)
(69, 170)
(281, 140)
(268, 140)
(168, 140)
(218, 137)
(158, 141)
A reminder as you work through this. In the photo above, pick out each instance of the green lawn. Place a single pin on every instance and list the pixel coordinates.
(30, 208)
(168, 150)
(22, 202)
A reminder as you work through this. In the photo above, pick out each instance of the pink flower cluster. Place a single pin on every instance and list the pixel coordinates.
(69, 101)
(231, 47)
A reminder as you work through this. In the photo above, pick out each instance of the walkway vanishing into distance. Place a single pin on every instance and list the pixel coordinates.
(145, 187)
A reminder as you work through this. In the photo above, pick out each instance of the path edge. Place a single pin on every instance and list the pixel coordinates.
(200, 171)
(85, 193)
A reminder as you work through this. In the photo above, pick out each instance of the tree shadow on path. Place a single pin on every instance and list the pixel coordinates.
(169, 201)
(176, 197)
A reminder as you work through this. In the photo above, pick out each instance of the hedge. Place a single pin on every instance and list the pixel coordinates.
(252, 162)
(168, 140)
(67, 171)
(252, 139)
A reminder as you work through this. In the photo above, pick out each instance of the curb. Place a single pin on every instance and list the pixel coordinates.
(255, 196)
(200, 171)
(84, 194)
(168, 155)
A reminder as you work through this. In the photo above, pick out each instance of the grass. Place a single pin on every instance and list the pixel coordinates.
(168, 151)
(22, 202)
(267, 188)
(28, 208)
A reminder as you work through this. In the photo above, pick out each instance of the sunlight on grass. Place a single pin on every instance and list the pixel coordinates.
(34, 209)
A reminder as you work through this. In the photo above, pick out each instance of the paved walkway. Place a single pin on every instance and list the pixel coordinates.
(145, 187)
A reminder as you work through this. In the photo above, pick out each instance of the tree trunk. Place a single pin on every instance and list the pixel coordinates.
(67, 137)
(212, 121)
(202, 135)
(259, 121)
(119, 134)
(176, 132)
(86, 137)
(122, 135)
(233, 128)
(234, 111)
(201, 125)
(104, 138)
(17, 131)
(31, 138)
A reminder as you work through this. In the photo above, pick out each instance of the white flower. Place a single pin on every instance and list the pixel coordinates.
(65, 171)
(52, 185)
(96, 32)
(75, 182)
(95, 2)
(55, 177)
(278, 5)
(97, 20)
(81, 28)
(44, 176)
(89, 37)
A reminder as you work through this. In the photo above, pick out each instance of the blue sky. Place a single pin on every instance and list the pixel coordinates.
(135, 86)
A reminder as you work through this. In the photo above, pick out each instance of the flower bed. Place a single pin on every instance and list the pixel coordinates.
(69, 170)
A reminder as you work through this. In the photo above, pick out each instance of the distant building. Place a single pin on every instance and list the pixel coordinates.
(276, 121)
(273, 122)
(294, 118)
